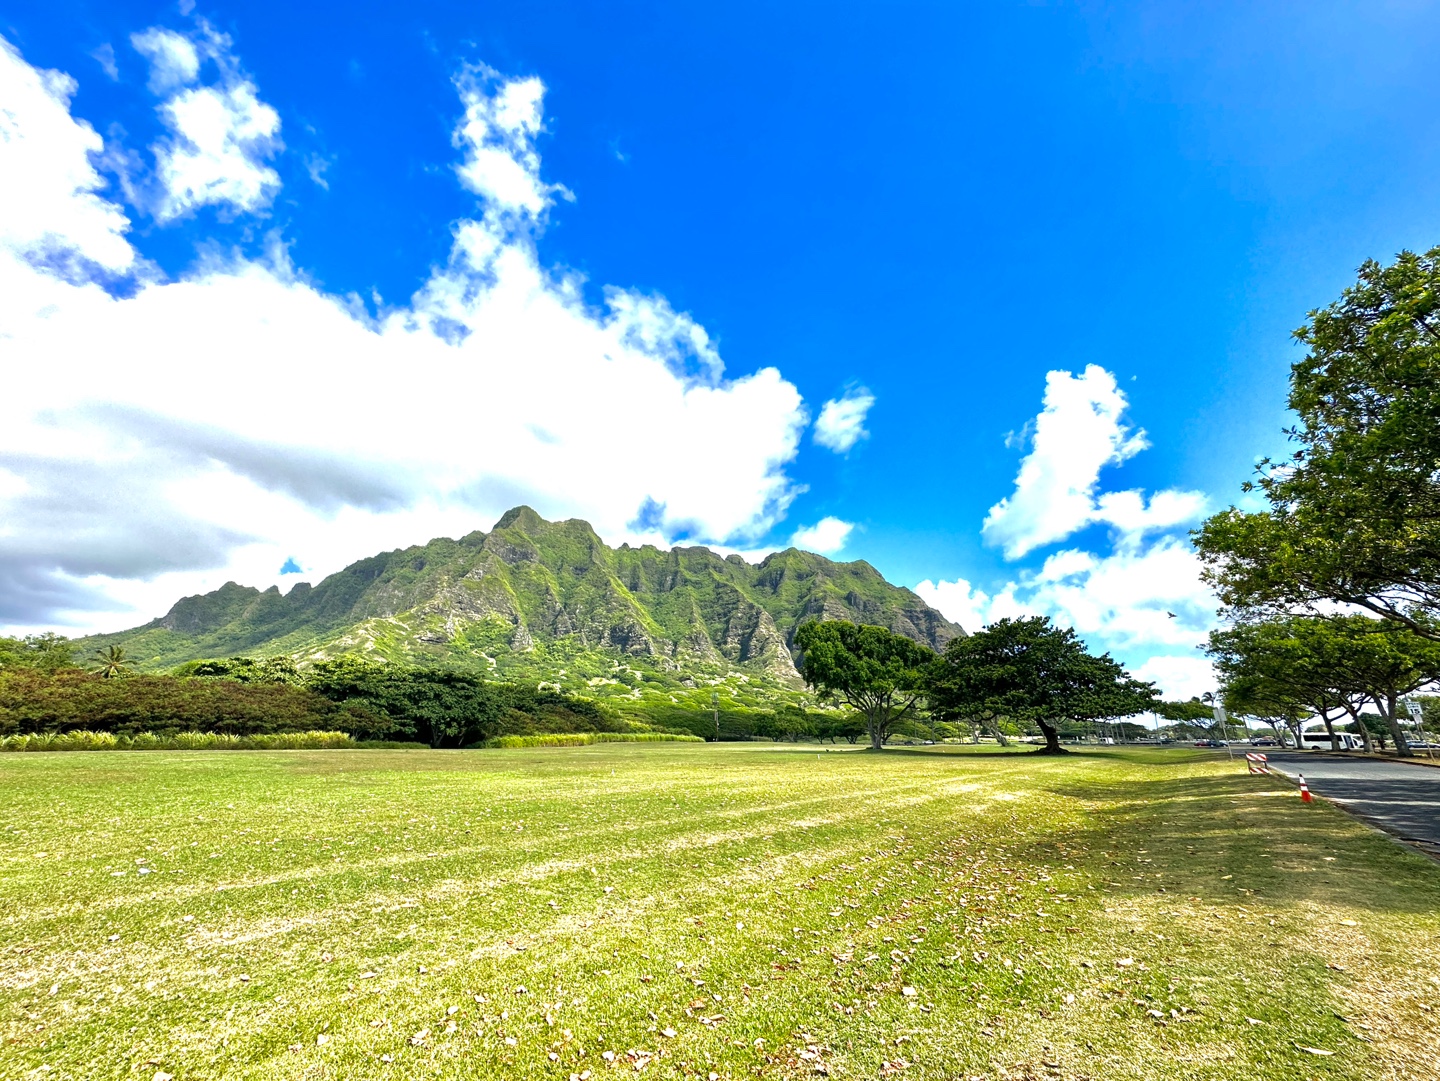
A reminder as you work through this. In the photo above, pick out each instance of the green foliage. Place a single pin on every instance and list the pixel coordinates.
(535, 601)
(246, 670)
(1354, 514)
(585, 739)
(36, 700)
(47, 651)
(83, 740)
(874, 671)
(1324, 664)
(1031, 671)
(788, 722)
(110, 662)
(1192, 710)
(451, 709)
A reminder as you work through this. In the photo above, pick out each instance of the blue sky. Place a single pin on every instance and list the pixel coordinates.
(927, 205)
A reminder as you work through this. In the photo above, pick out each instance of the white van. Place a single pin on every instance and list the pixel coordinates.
(1319, 739)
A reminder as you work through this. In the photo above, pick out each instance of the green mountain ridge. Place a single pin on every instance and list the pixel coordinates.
(550, 602)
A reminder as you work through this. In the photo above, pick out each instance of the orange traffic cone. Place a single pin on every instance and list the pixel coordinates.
(1305, 796)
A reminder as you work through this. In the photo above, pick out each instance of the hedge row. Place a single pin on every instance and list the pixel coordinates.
(584, 739)
(177, 741)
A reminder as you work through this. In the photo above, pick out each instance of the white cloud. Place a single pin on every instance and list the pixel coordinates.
(827, 536)
(502, 118)
(1077, 434)
(174, 60)
(842, 420)
(1179, 678)
(1121, 602)
(221, 135)
(1144, 600)
(50, 207)
(104, 55)
(214, 426)
(959, 602)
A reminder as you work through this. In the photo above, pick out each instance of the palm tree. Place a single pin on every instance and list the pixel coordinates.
(111, 662)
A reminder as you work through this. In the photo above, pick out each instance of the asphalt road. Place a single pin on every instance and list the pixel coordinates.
(1402, 799)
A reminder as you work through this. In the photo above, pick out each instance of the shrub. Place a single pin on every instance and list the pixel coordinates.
(447, 708)
(177, 741)
(584, 739)
(35, 700)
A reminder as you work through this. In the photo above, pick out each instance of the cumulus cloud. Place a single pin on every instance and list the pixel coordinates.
(174, 60)
(221, 135)
(842, 420)
(827, 536)
(220, 424)
(1146, 604)
(51, 209)
(502, 118)
(1181, 678)
(1077, 434)
(1143, 599)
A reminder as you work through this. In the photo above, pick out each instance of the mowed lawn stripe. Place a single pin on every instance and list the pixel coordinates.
(926, 914)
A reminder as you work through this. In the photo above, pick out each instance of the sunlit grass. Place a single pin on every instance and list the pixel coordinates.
(737, 910)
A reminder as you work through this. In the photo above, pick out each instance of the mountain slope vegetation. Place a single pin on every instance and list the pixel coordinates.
(550, 603)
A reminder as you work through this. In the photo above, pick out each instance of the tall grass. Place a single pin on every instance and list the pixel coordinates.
(180, 741)
(583, 739)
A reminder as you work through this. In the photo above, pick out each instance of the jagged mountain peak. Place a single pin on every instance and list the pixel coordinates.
(535, 599)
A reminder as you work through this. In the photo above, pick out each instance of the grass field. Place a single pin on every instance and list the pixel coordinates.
(730, 911)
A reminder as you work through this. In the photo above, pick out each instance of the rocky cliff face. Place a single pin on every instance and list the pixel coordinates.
(549, 600)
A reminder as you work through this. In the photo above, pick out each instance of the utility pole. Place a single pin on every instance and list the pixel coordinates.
(715, 708)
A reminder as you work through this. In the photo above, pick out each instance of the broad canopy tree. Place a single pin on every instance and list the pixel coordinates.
(1286, 665)
(877, 673)
(1327, 664)
(1354, 514)
(1032, 671)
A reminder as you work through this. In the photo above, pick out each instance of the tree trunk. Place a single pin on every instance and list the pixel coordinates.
(1052, 740)
(1364, 730)
(877, 733)
(1387, 706)
(1330, 728)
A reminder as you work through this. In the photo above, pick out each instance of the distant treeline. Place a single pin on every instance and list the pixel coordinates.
(43, 690)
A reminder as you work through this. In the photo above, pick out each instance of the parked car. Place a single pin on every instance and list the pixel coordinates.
(1263, 741)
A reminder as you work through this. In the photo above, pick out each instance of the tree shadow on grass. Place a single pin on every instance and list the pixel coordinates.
(1245, 840)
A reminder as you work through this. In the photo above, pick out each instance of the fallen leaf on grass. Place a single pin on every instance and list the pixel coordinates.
(161, 1075)
(1313, 1050)
(1349, 923)
(419, 1037)
(909, 992)
(667, 1032)
(387, 1058)
(367, 975)
(1124, 962)
(321, 1040)
(1253, 1021)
